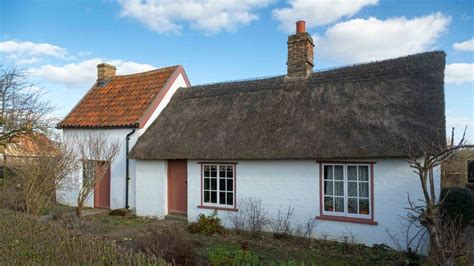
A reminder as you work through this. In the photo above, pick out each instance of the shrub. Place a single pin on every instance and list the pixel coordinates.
(458, 204)
(169, 244)
(207, 225)
(224, 256)
(281, 225)
(26, 241)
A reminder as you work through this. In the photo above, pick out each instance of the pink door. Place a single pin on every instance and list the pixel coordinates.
(102, 189)
(177, 186)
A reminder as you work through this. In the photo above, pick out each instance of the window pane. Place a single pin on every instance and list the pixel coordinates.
(221, 184)
(328, 188)
(363, 206)
(339, 188)
(339, 204)
(230, 199)
(230, 185)
(339, 172)
(221, 171)
(352, 173)
(213, 197)
(352, 205)
(214, 184)
(328, 204)
(206, 170)
(206, 196)
(221, 197)
(206, 183)
(230, 171)
(213, 170)
(328, 172)
(363, 173)
(352, 189)
(364, 189)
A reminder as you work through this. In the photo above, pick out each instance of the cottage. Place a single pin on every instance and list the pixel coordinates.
(331, 144)
(120, 107)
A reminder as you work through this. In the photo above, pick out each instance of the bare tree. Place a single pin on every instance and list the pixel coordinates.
(38, 176)
(96, 153)
(22, 108)
(429, 213)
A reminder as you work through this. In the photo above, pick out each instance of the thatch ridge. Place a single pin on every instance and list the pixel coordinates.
(369, 110)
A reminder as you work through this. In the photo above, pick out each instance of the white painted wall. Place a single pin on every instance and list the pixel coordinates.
(68, 195)
(152, 192)
(280, 184)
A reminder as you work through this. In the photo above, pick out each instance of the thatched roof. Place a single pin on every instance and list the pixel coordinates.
(374, 110)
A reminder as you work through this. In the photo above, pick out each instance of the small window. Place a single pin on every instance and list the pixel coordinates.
(346, 190)
(88, 171)
(218, 185)
(470, 171)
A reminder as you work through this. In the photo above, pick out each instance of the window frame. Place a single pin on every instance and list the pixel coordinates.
(346, 216)
(217, 205)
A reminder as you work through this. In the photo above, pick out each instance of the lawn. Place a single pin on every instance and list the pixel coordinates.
(103, 239)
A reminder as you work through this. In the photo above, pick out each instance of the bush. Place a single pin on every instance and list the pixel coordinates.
(224, 256)
(26, 241)
(281, 225)
(207, 225)
(169, 244)
(458, 204)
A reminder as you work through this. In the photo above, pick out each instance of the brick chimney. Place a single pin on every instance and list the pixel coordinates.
(300, 53)
(105, 71)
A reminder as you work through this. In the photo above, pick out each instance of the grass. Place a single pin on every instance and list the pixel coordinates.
(27, 241)
(103, 239)
(125, 230)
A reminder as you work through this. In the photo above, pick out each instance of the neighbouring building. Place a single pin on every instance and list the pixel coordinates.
(331, 144)
(121, 108)
(458, 171)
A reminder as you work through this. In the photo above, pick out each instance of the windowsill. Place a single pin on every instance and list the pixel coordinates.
(346, 219)
(218, 208)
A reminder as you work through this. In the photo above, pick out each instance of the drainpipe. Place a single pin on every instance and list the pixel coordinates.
(127, 167)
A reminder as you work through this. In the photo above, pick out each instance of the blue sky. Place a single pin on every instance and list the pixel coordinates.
(61, 42)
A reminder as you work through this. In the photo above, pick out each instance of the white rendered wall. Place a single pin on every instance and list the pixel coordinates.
(152, 187)
(68, 195)
(280, 184)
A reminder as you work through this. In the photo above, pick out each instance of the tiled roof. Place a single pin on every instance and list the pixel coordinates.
(122, 101)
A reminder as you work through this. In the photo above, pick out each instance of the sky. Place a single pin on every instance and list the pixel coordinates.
(61, 42)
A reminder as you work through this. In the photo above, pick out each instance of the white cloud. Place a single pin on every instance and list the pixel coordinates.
(467, 46)
(20, 49)
(84, 73)
(166, 16)
(459, 73)
(317, 12)
(361, 40)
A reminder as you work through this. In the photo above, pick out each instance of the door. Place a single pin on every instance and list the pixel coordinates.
(102, 188)
(177, 186)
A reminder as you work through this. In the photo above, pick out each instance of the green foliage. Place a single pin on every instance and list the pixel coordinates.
(27, 241)
(458, 204)
(225, 256)
(207, 225)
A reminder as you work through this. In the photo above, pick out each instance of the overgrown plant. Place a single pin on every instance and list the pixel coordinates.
(207, 225)
(429, 213)
(281, 225)
(96, 152)
(251, 217)
(35, 179)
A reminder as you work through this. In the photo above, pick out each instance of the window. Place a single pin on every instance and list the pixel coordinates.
(346, 190)
(88, 171)
(218, 189)
(470, 171)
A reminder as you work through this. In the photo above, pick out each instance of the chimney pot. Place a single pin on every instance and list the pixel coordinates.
(300, 26)
(105, 71)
